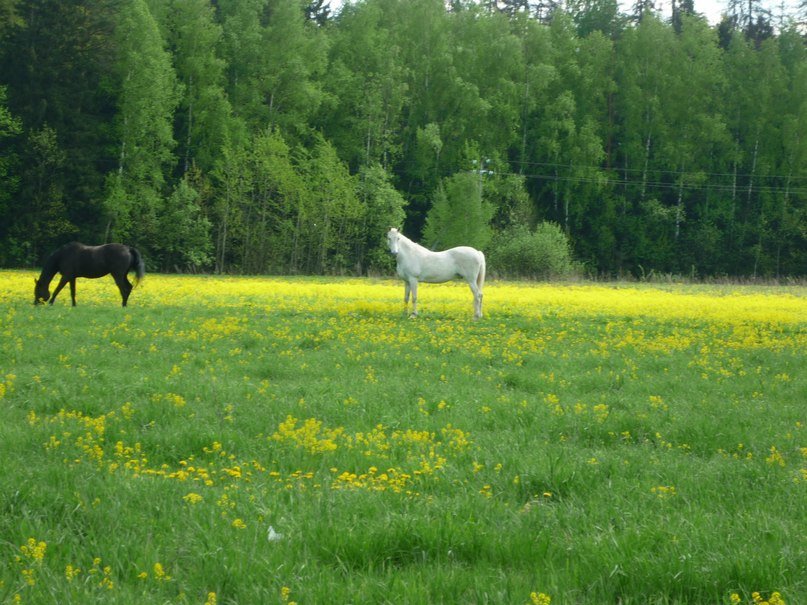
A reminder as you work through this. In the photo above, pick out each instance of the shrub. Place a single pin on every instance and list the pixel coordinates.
(542, 253)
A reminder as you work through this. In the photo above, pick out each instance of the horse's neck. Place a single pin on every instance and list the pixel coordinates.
(49, 269)
(413, 246)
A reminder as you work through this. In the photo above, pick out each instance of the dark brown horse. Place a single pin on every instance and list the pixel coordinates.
(77, 260)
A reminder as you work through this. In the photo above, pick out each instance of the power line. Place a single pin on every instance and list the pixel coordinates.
(718, 187)
(662, 171)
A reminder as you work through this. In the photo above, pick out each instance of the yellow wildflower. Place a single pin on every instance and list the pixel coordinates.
(539, 598)
(34, 551)
(775, 458)
(192, 498)
(71, 572)
(159, 573)
(285, 594)
(664, 491)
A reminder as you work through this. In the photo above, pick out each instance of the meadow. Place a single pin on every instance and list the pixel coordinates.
(261, 440)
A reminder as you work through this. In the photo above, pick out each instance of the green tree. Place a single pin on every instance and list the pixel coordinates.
(646, 56)
(56, 65)
(569, 147)
(233, 181)
(10, 128)
(437, 94)
(459, 216)
(275, 59)
(8, 15)
(507, 194)
(757, 84)
(335, 214)
(597, 15)
(365, 87)
(184, 242)
(318, 11)
(274, 208)
(383, 207)
(698, 132)
(536, 89)
(490, 69)
(43, 220)
(789, 214)
(204, 116)
(146, 102)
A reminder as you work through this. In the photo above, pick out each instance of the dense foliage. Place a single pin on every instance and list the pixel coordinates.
(275, 136)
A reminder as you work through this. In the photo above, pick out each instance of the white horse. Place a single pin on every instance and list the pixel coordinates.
(416, 263)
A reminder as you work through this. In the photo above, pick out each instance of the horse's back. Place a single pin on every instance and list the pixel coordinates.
(468, 259)
(116, 258)
(466, 252)
(113, 252)
(80, 260)
(71, 249)
(64, 259)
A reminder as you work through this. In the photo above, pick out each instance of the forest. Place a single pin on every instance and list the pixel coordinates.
(284, 136)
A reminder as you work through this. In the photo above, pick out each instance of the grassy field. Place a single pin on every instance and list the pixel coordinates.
(261, 440)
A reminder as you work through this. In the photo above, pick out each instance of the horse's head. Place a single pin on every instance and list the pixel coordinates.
(393, 239)
(41, 292)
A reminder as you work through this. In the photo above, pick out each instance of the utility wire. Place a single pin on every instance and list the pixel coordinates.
(658, 171)
(739, 188)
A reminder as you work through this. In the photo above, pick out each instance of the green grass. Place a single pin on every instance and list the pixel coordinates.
(595, 457)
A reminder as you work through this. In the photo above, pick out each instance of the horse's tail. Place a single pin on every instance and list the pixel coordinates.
(480, 277)
(137, 265)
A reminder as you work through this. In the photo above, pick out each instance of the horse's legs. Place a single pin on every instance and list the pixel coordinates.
(406, 297)
(413, 285)
(73, 291)
(477, 298)
(62, 282)
(124, 286)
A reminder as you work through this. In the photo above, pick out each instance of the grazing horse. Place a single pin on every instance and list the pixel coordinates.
(416, 263)
(77, 260)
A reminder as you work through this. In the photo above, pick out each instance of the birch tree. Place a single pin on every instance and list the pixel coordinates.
(147, 98)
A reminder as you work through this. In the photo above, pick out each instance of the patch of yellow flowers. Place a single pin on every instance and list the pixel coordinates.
(374, 297)
(757, 599)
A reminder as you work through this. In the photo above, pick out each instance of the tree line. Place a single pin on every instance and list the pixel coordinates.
(279, 136)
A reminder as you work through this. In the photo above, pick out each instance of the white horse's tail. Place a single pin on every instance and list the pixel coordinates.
(480, 278)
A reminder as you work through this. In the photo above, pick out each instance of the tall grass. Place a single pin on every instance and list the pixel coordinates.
(580, 444)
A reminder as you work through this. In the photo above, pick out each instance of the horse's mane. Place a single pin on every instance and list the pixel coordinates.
(412, 243)
(50, 266)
